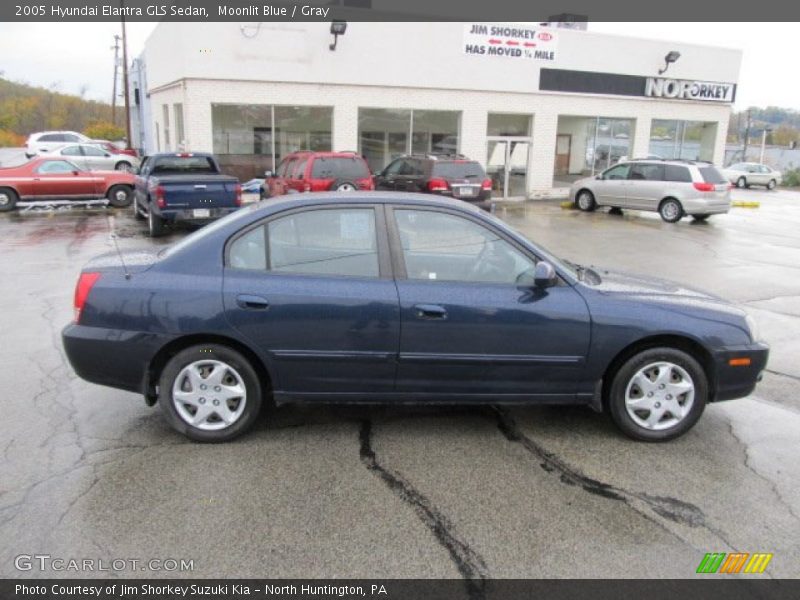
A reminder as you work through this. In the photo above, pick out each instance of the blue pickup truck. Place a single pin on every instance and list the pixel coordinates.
(183, 187)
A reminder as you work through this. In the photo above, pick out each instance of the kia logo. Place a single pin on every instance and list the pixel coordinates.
(545, 37)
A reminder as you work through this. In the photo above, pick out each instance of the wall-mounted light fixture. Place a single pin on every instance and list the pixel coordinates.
(337, 28)
(671, 57)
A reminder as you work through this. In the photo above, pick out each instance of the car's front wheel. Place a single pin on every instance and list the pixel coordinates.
(585, 201)
(210, 393)
(671, 210)
(771, 185)
(658, 394)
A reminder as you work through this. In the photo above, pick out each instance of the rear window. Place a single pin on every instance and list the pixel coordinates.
(712, 175)
(462, 169)
(339, 167)
(677, 173)
(184, 164)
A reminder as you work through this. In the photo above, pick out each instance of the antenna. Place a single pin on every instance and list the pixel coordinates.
(119, 254)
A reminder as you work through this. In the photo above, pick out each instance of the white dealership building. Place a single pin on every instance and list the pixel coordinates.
(537, 105)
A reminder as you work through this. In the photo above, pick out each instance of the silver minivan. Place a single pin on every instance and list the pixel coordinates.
(673, 188)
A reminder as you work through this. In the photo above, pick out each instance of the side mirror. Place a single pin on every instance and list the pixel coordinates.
(269, 174)
(599, 176)
(76, 172)
(545, 275)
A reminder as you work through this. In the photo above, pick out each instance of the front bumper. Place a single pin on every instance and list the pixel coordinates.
(738, 381)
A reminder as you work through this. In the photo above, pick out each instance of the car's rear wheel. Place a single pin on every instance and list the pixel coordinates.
(658, 394)
(585, 201)
(8, 199)
(210, 393)
(702, 217)
(771, 185)
(123, 165)
(155, 224)
(119, 196)
(344, 186)
(741, 182)
(670, 210)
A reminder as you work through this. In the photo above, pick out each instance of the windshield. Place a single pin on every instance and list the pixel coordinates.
(458, 169)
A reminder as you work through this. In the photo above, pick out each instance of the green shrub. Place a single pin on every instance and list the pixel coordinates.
(103, 130)
(791, 178)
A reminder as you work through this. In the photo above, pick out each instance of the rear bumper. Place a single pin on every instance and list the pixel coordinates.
(702, 206)
(739, 381)
(111, 357)
(188, 215)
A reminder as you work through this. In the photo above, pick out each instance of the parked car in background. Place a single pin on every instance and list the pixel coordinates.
(187, 187)
(744, 175)
(58, 179)
(93, 158)
(674, 188)
(319, 172)
(451, 175)
(113, 148)
(397, 298)
(46, 141)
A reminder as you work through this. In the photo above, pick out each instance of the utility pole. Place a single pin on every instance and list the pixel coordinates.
(115, 48)
(746, 136)
(125, 78)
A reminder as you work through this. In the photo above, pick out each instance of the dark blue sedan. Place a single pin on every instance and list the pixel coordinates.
(397, 298)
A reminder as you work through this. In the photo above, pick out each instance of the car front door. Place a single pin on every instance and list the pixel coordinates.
(312, 289)
(611, 188)
(387, 179)
(468, 329)
(645, 186)
(97, 159)
(62, 179)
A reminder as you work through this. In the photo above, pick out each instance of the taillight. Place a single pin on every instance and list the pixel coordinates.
(82, 289)
(437, 185)
(487, 184)
(160, 200)
(704, 187)
(238, 189)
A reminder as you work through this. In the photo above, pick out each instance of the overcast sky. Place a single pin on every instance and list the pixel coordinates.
(72, 55)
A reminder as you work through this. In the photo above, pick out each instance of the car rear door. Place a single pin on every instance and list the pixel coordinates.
(645, 188)
(467, 330)
(74, 154)
(312, 289)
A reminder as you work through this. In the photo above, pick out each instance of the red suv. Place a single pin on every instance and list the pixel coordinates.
(319, 172)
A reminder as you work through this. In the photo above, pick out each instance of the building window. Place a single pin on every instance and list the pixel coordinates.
(180, 140)
(386, 133)
(692, 140)
(588, 145)
(501, 124)
(165, 129)
(252, 138)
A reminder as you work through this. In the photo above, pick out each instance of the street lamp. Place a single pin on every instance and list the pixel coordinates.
(671, 57)
(764, 142)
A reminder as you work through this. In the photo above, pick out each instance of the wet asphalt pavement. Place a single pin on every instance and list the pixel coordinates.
(91, 472)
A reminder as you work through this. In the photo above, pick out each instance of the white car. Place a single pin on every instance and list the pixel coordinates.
(90, 157)
(744, 175)
(47, 141)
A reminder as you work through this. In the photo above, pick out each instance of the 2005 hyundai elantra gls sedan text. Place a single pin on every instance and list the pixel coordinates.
(397, 298)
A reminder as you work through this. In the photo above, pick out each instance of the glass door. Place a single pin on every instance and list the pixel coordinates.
(507, 167)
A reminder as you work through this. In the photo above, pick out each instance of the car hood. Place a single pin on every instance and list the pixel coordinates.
(652, 289)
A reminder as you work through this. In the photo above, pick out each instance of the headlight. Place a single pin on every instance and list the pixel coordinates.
(755, 336)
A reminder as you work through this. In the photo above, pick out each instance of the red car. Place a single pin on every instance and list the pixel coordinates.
(319, 172)
(58, 179)
(114, 149)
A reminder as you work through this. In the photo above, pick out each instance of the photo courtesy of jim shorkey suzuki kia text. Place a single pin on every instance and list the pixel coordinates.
(169, 10)
(191, 590)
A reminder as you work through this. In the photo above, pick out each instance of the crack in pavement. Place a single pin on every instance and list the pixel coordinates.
(672, 509)
(795, 377)
(468, 562)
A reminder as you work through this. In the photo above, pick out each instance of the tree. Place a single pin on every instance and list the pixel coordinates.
(104, 130)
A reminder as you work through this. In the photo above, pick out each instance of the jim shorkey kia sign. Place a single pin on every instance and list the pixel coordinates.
(516, 41)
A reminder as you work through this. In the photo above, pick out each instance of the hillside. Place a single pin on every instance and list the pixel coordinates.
(25, 109)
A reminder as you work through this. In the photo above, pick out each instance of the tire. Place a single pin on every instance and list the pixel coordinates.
(584, 200)
(702, 217)
(771, 185)
(119, 196)
(263, 194)
(155, 224)
(137, 213)
(224, 409)
(643, 412)
(123, 165)
(741, 183)
(670, 210)
(343, 185)
(8, 199)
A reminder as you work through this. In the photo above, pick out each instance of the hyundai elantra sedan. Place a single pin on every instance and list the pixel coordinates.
(397, 298)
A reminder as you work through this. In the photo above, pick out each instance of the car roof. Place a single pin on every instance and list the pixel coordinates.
(379, 197)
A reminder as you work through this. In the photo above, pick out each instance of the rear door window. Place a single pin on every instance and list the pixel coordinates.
(712, 175)
(339, 167)
(677, 173)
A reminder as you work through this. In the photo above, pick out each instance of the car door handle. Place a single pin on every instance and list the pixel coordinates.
(251, 302)
(430, 312)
